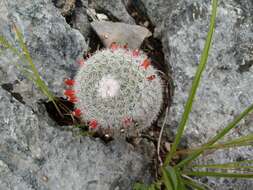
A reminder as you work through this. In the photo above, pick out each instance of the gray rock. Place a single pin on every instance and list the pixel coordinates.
(121, 33)
(115, 9)
(78, 18)
(53, 44)
(156, 10)
(81, 22)
(226, 87)
(35, 154)
(66, 6)
(59, 3)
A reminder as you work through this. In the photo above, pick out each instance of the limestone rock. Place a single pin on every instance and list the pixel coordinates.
(121, 33)
(115, 9)
(35, 153)
(53, 44)
(226, 87)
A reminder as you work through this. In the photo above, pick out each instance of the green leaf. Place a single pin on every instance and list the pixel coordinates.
(173, 176)
(41, 85)
(217, 137)
(231, 165)
(231, 125)
(195, 85)
(166, 179)
(194, 185)
(219, 174)
(34, 76)
(158, 185)
(181, 185)
(140, 186)
(152, 187)
(241, 141)
(4, 42)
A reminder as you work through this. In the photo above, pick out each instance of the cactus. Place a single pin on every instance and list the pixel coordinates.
(116, 88)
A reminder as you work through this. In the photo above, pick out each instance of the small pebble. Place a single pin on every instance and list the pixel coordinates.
(45, 178)
(146, 23)
(167, 146)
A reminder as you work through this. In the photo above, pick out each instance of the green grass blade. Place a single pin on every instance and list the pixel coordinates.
(219, 174)
(217, 166)
(173, 176)
(213, 148)
(26, 52)
(219, 136)
(231, 125)
(4, 42)
(241, 141)
(152, 187)
(230, 165)
(181, 184)
(38, 81)
(166, 179)
(193, 185)
(195, 85)
(26, 72)
(140, 186)
(35, 77)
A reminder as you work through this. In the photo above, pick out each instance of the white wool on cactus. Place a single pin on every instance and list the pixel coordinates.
(108, 87)
(117, 87)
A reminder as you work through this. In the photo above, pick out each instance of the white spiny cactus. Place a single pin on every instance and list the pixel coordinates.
(117, 88)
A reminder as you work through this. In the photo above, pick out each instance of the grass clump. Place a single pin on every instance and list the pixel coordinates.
(28, 68)
(174, 176)
(180, 176)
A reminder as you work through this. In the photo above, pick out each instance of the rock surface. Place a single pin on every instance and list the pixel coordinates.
(80, 21)
(114, 9)
(156, 10)
(226, 87)
(35, 154)
(121, 33)
(53, 44)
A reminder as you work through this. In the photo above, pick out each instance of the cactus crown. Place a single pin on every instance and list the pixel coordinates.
(117, 88)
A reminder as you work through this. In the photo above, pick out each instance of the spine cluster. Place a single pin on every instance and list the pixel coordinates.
(116, 88)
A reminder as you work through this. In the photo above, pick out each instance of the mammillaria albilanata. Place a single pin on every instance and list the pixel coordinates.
(116, 88)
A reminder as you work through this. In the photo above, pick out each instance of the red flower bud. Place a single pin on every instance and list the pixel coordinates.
(93, 124)
(72, 99)
(127, 121)
(80, 62)
(136, 53)
(114, 46)
(77, 113)
(125, 46)
(152, 77)
(69, 82)
(69, 92)
(146, 63)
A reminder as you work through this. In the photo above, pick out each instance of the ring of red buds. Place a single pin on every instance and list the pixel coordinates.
(98, 88)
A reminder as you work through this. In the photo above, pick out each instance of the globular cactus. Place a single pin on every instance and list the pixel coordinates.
(117, 88)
